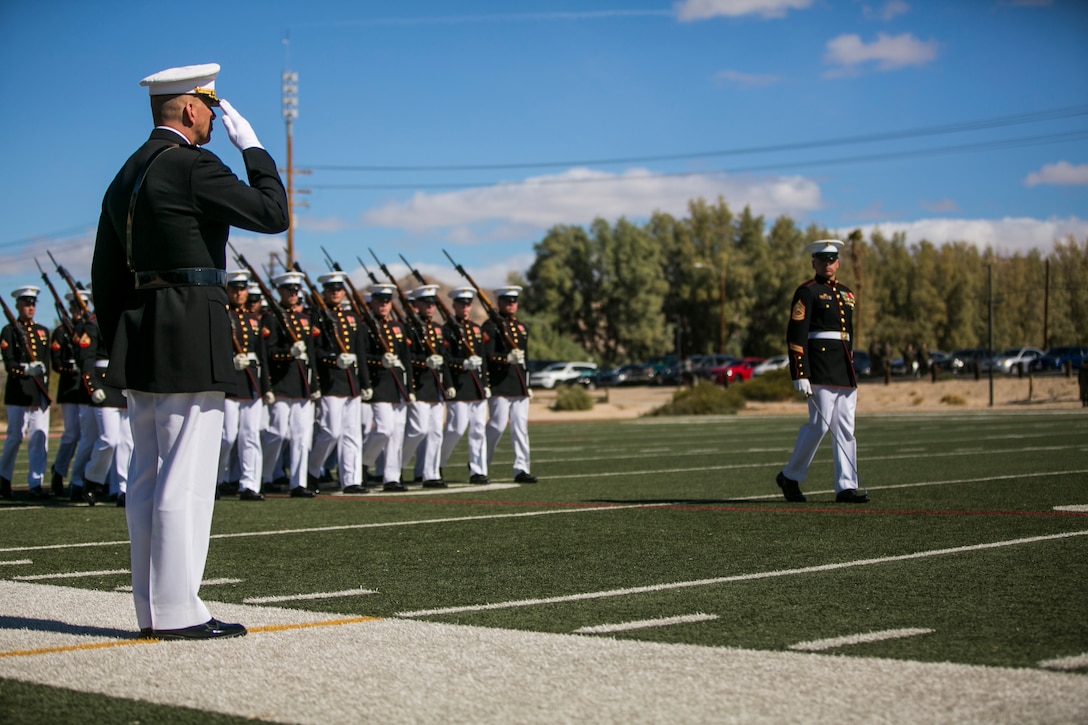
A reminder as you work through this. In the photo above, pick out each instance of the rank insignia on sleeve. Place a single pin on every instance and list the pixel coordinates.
(265, 332)
(55, 345)
(3, 344)
(798, 311)
(84, 340)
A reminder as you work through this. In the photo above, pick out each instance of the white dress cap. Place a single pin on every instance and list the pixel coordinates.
(382, 289)
(509, 291)
(28, 291)
(186, 80)
(331, 278)
(424, 292)
(824, 246)
(462, 293)
(288, 278)
(237, 276)
(83, 294)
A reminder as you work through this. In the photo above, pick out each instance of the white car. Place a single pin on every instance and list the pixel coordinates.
(560, 372)
(772, 363)
(1011, 360)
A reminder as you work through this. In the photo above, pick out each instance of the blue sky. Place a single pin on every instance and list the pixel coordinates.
(476, 126)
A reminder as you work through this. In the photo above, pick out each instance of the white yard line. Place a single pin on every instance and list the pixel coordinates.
(818, 645)
(646, 623)
(737, 578)
(16, 562)
(304, 597)
(68, 575)
(1075, 662)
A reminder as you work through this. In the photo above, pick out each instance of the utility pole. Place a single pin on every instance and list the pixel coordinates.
(290, 113)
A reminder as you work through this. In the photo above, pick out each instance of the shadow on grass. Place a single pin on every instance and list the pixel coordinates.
(681, 501)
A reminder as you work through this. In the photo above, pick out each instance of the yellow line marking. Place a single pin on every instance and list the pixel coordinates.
(149, 640)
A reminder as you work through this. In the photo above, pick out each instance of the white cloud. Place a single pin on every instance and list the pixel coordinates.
(887, 11)
(849, 53)
(689, 10)
(1062, 173)
(580, 195)
(752, 80)
(1006, 236)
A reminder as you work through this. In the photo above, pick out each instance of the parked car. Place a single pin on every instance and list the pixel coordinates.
(536, 366)
(863, 364)
(559, 372)
(630, 374)
(772, 363)
(963, 361)
(717, 370)
(1056, 358)
(1012, 360)
(739, 371)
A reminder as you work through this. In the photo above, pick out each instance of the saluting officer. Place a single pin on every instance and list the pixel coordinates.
(507, 344)
(25, 393)
(388, 354)
(468, 409)
(819, 337)
(294, 385)
(433, 387)
(158, 272)
(344, 386)
(240, 459)
(79, 426)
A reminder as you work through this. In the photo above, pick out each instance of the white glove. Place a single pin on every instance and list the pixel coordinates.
(241, 362)
(98, 396)
(487, 393)
(345, 360)
(366, 393)
(269, 398)
(390, 361)
(451, 393)
(803, 386)
(240, 133)
(411, 397)
(530, 392)
(35, 368)
(298, 350)
(474, 362)
(516, 357)
(434, 362)
(316, 395)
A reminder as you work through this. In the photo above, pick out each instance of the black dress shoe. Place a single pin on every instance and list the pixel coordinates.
(434, 483)
(355, 490)
(247, 495)
(212, 629)
(121, 500)
(394, 486)
(478, 478)
(790, 488)
(524, 477)
(302, 492)
(228, 488)
(75, 493)
(57, 483)
(37, 494)
(851, 495)
(5, 489)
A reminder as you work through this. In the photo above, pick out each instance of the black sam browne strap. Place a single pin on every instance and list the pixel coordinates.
(132, 201)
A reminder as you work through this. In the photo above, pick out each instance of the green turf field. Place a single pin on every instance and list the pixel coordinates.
(667, 530)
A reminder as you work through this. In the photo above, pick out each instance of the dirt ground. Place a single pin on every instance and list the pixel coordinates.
(1051, 392)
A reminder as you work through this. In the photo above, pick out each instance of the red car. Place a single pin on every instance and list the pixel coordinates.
(738, 372)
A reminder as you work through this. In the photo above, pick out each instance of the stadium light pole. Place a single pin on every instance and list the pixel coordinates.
(290, 113)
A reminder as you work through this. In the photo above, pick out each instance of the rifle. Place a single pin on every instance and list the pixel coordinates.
(326, 316)
(72, 284)
(359, 305)
(57, 303)
(23, 338)
(465, 339)
(492, 313)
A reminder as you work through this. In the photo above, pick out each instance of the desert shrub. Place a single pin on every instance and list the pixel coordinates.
(703, 398)
(952, 399)
(768, 387)
(573, 397)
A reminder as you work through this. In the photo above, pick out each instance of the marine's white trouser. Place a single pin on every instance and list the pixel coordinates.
(88, 436)
(339, 425)
(387, 436)
(240, 446)
(171, 494)
(289, 420)
(69, 439)
(34, 424)
(423, 438)
(470, 415)
(515, 412)
(113, 447)
(830, 408)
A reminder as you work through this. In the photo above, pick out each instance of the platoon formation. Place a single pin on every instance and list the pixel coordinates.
(366, 390)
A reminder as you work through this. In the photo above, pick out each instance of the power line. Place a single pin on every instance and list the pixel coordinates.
(936, 151)
(997, 122)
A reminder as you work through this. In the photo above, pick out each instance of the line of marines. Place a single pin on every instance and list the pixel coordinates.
(323, 383)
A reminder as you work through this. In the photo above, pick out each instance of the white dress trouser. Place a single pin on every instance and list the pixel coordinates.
(387, 436)
(470, 415)
(35, 422)
(88, 436)
(340, 426)
(830, 408)
(113, 447)
(240, 446)
(289, 420)
(171, 494)
(515, 413)
(423, 437)
(69, 439)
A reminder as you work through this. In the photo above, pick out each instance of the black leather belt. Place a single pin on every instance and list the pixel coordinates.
(191, 277)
